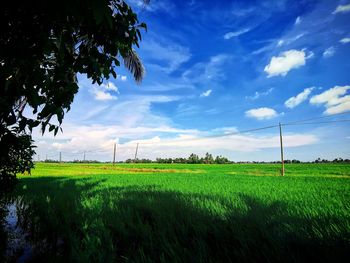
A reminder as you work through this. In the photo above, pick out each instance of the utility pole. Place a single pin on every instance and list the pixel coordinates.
(281, 142)
(60, 157)
(38, 158)
(46, 157)
(114, 150)
(84, 156)
(137, 147)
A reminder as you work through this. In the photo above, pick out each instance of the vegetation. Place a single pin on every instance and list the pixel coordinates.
(186, 212)
(43, 46)
(192, 159)
(208, 159)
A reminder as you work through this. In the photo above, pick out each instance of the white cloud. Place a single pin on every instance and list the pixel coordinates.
(297, 20)
(136, 111)
(296, 100)
(261, 113)
(290, 40)
(259, 94)
(340, 108)
(109, 86)
(342, 9)
(335, 100)
(206, 93)
(165, 55)
(129, 110)
(224, 130)
(184, 109)
(241, 12)
(183, 146)
(310, 55)
(345, 40)
(123, 78)
(95, 111)
(285, 62)
(164, 6)
(206, 71)
(329, 52)
(230, 35)
(103, 91)
(280, 42)
(101, 95)
(98, 140)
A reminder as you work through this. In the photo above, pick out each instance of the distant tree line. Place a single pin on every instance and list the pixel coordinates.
(74, 161)
(207, 159)
(336, 160)
(192, 159)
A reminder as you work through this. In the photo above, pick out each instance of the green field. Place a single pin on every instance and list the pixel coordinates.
(186, 213)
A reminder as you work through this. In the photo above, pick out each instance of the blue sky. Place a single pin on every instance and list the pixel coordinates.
(217, 67)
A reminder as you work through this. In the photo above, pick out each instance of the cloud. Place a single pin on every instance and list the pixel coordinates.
(97, 142)
(103, 91)
(206, 93)
(335, 100)
(164, 6)
(345, 40)
(164, 55)
(129, 110)
(122, 77)
(340, 108)
(230, 35)
(101, 95)
(109, 86)
(280, 42)
(184, 109)
(136, 110)
(184, 145)
(296, 100)
(297, 20)
(329, 52)
(259, 94)
(95, 111)
(342, 9)
(285, 62)
(261, 113)
(290, 40)
(310, 55)
(207, 71)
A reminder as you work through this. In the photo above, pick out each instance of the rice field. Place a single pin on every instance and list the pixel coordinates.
(183, 213)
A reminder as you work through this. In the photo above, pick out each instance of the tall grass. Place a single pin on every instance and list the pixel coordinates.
(186, 213)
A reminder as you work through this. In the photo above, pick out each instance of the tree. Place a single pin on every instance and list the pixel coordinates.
(208, 158)
(43, 46)
(221, 160)
(193, 158)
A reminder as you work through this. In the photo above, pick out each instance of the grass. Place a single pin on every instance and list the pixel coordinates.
(186, 213)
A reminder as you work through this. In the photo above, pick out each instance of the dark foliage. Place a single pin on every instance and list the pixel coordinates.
(192, 159)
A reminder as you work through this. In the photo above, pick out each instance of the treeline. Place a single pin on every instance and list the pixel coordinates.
(192, 159)
(74, 161)
(207, 159)
(336, 160)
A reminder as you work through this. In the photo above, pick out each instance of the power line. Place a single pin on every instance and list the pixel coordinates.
(317, 118)
(300, 122)
(319, 122)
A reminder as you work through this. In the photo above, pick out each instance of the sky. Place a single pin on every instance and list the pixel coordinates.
(215, 69)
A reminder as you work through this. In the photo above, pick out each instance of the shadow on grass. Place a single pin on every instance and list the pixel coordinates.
(81, 220)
